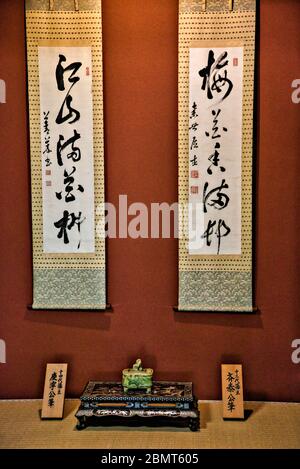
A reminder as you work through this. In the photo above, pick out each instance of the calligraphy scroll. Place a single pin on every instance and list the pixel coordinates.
(216, 81)
(64, 52)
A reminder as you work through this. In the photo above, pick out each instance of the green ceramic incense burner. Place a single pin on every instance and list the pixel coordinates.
(137, 377)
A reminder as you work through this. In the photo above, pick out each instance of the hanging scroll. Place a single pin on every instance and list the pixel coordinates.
(216, 75)
(66, 150)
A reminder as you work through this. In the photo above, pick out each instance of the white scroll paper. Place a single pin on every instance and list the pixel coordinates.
(215, 148)
(66, 113)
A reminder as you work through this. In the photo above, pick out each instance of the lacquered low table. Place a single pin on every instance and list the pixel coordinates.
(168, 404)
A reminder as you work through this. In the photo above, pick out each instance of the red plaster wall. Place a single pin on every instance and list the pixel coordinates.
(140, 78)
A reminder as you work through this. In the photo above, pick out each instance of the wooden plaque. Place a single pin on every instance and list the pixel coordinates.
(54, 391)
(232, 392)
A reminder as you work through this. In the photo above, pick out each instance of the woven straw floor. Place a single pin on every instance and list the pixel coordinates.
(271, 425)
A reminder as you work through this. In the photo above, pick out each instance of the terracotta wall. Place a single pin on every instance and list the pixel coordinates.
(140, 54)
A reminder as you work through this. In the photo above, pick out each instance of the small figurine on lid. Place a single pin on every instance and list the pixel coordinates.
(137, 377)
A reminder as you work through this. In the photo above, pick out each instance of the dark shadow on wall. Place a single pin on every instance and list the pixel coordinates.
(236, 320)
(71, 318)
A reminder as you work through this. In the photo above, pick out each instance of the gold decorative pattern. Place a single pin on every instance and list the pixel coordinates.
(63, 5)
(190, 6)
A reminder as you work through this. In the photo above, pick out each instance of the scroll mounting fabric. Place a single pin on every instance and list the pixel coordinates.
(64, 53)
(218, 277)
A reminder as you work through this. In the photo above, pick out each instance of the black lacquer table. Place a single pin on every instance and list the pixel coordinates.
(168, 404)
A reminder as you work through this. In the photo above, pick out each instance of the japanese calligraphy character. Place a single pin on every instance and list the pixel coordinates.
(209, 232)
(237, 382)
(194, 143)
(194, 111)
(53, 380)
(230, 387)
(60, 70)
(72, 115)
(230, 403)
(194, 126)
(67, 222)
(46, 131)
(74, 155)
(214, 159)
(194, 161)
(68, 181)
(51, 397)
(60, 382)
(212, 79)
(221, 199)
(215, 127)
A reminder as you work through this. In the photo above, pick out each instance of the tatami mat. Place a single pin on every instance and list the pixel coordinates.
(271, 425)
